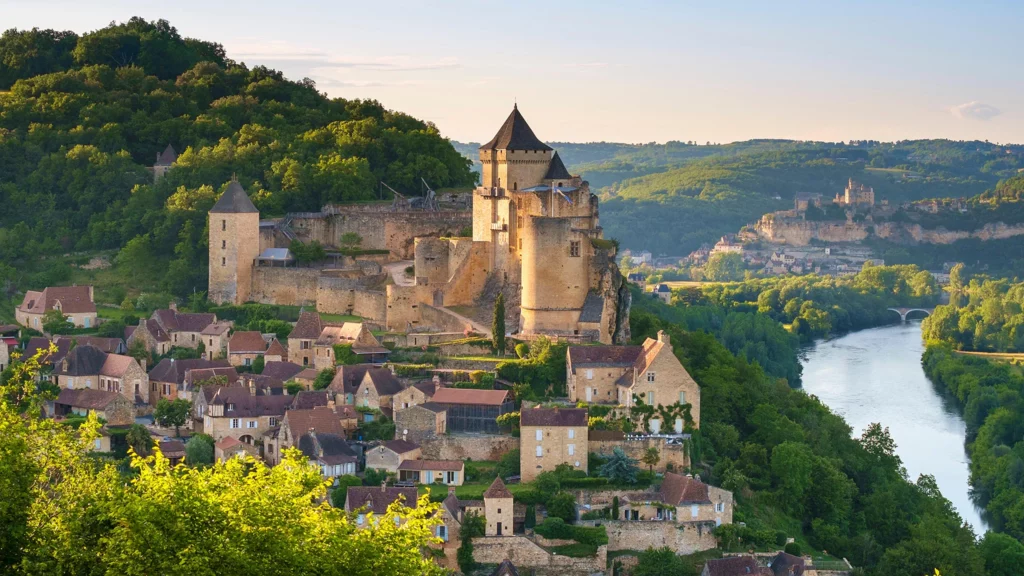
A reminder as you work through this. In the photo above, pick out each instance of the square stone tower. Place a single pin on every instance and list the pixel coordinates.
(234, 246)
(498, 510)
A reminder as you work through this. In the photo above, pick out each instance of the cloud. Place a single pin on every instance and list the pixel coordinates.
(975, 110)
(280, 51)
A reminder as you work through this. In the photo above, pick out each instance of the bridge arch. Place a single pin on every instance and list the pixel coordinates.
(904, 311)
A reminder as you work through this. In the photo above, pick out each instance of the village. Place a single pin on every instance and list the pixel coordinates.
(540, 469)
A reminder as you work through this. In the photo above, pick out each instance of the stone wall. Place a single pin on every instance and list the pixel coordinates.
(393, 231)
(440, 319)
(683, 538)
(468, 273)
(468, 447)
(526, 554)
(284, 286)
(404, 305)
(634, 448)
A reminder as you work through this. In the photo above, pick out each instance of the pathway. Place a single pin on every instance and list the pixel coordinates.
(397, 271)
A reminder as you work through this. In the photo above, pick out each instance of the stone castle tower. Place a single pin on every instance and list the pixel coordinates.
(234, 245)
(541, 227)
(164, 160)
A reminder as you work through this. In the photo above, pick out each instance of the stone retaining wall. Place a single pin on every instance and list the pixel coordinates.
(468, 447)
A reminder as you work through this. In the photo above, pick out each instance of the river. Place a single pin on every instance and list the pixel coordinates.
(876, 376)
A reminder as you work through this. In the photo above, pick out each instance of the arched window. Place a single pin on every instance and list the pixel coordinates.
(559, 184)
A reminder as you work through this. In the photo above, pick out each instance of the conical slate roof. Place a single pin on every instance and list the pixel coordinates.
(515, 134)
(556, 170)
(234, 200)
(167, 157)
(497, 490)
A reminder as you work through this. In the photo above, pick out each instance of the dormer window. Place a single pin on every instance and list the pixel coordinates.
(230, 407)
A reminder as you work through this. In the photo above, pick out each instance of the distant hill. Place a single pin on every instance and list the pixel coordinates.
(85, 116)
(669, 198)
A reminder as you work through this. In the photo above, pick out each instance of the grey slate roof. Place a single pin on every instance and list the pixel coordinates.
(556, 170)
(593, 306)
(167, 157)
(83, 361)
(515, 134)
(234, 200)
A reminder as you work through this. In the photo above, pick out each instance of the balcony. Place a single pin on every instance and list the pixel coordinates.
(499, 226)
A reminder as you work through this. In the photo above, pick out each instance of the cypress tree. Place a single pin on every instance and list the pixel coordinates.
(498, 326)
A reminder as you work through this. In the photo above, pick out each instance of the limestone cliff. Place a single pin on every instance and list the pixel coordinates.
(615, 296)
(797, 232)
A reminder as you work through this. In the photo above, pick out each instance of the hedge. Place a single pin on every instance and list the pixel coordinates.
(556, 528)
(585, 482)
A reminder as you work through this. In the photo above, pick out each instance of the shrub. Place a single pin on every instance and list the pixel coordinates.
(522, 349)
(780, 538)
(556, 528)
(585, 482)
(794, 549)
(339, 493)
(344, 356)
(508, 465)
(562, 505)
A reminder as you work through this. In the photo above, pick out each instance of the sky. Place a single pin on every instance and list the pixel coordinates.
(636, 71)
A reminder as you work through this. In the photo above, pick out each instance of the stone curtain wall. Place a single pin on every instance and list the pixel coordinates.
(285, 286)
(670, 453)
(684, 538)
(526, 554)
(468, 447)
(394, 231)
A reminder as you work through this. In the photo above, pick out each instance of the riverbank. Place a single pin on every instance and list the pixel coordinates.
(875, 375)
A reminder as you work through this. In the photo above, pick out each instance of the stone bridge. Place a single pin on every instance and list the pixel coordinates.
(904, 311)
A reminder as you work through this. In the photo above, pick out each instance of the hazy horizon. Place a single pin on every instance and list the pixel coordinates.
(649, 72)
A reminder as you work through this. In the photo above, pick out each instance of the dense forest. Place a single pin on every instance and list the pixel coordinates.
(989, 396)
(82, 117)
(793, 465)
(983, 315)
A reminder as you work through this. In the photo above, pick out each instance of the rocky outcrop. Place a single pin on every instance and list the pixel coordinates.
(796, 232)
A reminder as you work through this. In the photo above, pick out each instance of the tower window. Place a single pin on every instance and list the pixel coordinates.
(223, 261)
(224, 244)
(223, 224)
(515, 185)
(574, 248)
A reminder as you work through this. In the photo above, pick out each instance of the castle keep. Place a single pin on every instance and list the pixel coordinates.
(535, 237)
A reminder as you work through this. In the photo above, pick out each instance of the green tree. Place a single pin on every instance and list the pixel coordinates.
(651, 457)
(199, 450)
(174, 413)
(1004, 555)
(139, 439)
(472, 527)
(350, 241)
(257, 365)
(139, 351)
(619, 468)
(508, 464)
(724, 267)
(498, 325)
(324, 379)
(55, 322)
(662, 562)
(562, 505)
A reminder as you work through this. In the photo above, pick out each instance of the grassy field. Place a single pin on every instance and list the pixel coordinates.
(681, 284)
(340, 318)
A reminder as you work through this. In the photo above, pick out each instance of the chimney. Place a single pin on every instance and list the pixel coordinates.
(173, 306)
(404, 435)
(90, 294)
(383, 485)
(664, 338)
(392, 368)
(142, 363)
(436, 379)
(451, 490)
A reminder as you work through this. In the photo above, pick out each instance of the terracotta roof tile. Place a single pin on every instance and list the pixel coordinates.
(604, 355)
(401, 446)
(116, 365)
(247, 342)
(282, 371)
(72, 299)
(308, 327)
(320, 419)
(553, 417)
(87, 398)
(276, 349)
(470, 396)
(736, 566)
(677, 490)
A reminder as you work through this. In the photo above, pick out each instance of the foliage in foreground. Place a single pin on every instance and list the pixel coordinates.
(66, 512)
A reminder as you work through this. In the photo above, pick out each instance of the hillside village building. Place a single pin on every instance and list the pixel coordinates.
(75, 302)
(624, 375)
(536, 238)
(91, 368)
(550, 437)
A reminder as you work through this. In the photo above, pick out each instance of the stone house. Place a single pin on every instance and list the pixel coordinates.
(89, 367)
(422, 422)
(549, 437)
(355, 334)
(469, 410)
(275, 352)
(75, 302)
(347, 380)
(110, 406)
(650, 373)
(389, 455)
(376, 390)
(414, 395)
(329, 452)
(168, 376)
(784, 564)
(300, 341)
(280, 370)
(498, 510)
(149, 331)
(364, 500)
(324, 420)
(307, 377)
(173, 450)
(450, 472)
(230, 447)
(8, 345)
(102, 443)
(680, 499)
(215, 337)
(735, 566)
(108, 345)
(164, 161)
(663, 293)
(236, 412)
(184, 329)
(198, 377)
(244, 347)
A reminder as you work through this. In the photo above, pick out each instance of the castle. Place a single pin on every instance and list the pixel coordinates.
(856, 194)
(535, 238)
